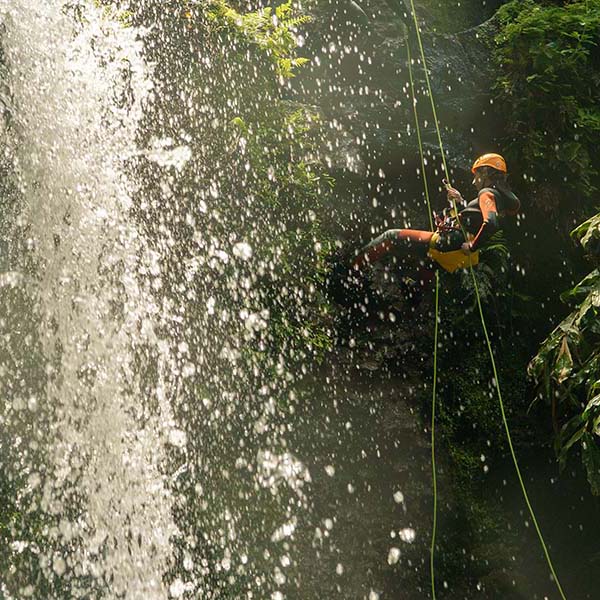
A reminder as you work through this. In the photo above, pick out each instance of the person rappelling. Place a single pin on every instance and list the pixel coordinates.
(458, 236)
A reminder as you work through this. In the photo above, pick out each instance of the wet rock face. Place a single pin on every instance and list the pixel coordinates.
(359, 77)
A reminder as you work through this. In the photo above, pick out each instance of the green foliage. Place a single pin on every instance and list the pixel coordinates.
(291, 184)
(549, 86)
(591, 461)
(589, 235)
(115, 13)
(252, 181)
(567, 367)
(278, 145)
(260, 152)
(272, 30)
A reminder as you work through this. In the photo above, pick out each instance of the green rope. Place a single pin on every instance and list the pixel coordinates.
(435, 118)
(510, 444)
(418, 129)
(487, 337)
(437, 320)
(433, 465)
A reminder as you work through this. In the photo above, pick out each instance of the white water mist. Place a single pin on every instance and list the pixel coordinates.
(77, 83)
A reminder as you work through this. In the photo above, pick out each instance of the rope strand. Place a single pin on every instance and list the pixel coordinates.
(418, 129)
(435, 118)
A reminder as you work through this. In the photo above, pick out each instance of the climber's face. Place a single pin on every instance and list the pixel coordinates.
(479, 179)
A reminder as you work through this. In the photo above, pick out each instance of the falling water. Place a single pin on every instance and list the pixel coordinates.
(107, 347)
(76, 87)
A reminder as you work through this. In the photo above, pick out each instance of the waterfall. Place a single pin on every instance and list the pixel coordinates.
(94, 459)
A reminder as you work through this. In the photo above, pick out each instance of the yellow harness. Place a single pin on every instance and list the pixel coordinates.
(453, 260)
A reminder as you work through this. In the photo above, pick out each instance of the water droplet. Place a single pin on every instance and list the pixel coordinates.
(393, 556)
(407, 535)
(242, 250)
(59, 566)
(177, 588)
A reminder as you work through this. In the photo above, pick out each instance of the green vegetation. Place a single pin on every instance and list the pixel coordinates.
(257, 150)
(567, 367)
(271, 30)
(549, 90)
(279, 147)
(291, 184)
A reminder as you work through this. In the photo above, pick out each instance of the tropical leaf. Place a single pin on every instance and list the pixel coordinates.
(564, 361)
(567, 368)
(588, 284)
(590, 455)
(570, 434)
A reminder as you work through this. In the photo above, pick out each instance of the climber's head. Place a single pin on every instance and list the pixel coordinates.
(489, 170)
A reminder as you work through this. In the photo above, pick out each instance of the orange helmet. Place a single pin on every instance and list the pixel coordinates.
(490, 160)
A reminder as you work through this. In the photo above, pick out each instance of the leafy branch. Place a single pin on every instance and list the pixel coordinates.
(273, 30)
(549, 84)
(567, 367)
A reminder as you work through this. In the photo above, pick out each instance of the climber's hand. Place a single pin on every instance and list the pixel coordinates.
(466, 248)
(453, 194)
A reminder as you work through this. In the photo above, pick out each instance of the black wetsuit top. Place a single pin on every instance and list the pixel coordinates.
(482, 216)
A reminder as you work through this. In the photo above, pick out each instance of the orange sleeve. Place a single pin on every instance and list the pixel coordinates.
(487, 205)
